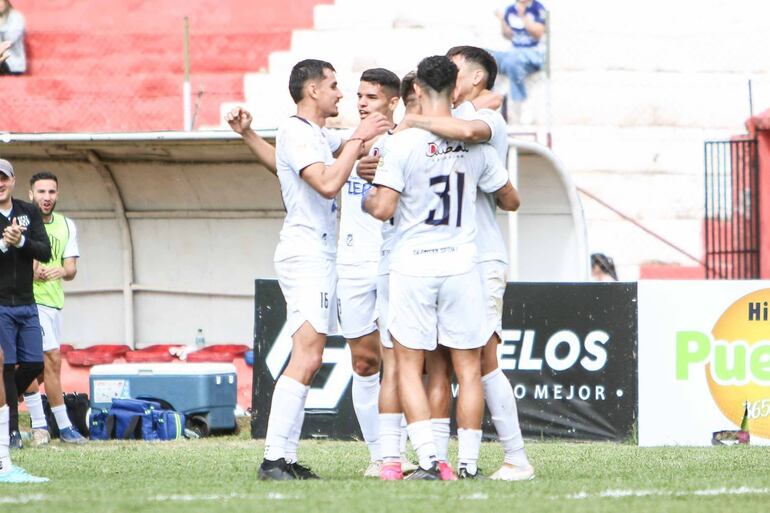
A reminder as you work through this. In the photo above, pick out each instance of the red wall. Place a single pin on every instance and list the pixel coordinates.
(117, 65)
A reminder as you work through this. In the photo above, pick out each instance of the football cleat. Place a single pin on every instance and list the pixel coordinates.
(446, 471)
(301, 472)
(15, 440)
(407, 467)
(463, 473)
(70, 435)
(373, 470)
(513, 473)
(19, 475)
(391, 472)
(421, 474)
(276, 470)
(40, 436)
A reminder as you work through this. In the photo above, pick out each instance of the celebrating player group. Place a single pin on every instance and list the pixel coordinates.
(415, 277)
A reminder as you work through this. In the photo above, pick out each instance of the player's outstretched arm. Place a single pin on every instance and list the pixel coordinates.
(240, 121)
(380, 202)
(470, 131)
(328, 180)
(508, 198)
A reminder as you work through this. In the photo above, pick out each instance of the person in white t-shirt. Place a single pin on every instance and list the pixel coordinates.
(475, 124)
(304, 259)
(358, 255)
(430, 184)
(392, 437)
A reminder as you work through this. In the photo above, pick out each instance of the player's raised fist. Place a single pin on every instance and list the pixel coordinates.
(367, 167)
(371, 126)
(239, 120)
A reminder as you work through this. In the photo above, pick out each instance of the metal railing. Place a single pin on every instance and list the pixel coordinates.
(732, 209)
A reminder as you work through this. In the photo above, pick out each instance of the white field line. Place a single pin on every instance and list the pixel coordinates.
(224, 497)
(22, 499)
(617, 494)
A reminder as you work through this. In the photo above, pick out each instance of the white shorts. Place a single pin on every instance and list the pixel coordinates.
(447, 310)
(383, 292)
(309, 286)
(357, 299)
(50, 324)
(493, 277)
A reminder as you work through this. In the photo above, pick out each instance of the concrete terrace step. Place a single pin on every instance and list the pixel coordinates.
(117, 16)
(110, 105)
(76, 54)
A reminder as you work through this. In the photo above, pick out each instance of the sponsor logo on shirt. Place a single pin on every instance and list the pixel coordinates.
(436, 149)
(23, 221)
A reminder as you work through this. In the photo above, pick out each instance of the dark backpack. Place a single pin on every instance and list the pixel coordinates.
(77, 411)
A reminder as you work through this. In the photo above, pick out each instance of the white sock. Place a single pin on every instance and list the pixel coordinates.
(5, 440)
(440, 429)
(404, 434)
(390, 437)
(422, 440)
(469, 444)
(292, 443)
(288, 400)
(35, 406)
(366, 394)
(498, 395)
(62, 419)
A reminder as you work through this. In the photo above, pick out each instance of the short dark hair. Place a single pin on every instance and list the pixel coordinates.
(43, 175)
(302, 72)
(478, 56)
(407, 85)
(438, 73)
(605, 263)
(388, 81)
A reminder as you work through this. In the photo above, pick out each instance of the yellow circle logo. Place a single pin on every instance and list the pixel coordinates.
(738, 374)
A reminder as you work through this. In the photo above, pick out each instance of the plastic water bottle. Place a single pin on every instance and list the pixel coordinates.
(200, 340)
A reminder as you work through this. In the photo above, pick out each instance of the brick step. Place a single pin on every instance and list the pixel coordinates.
(116, 16)
(84, 54)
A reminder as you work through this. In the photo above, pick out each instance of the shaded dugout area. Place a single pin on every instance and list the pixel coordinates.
(175, 227)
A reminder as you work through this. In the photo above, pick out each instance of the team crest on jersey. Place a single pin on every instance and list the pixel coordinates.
(434, 149)
(375, 152)
(23, 221)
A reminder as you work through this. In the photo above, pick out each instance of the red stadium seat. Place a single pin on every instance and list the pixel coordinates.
(145, 356)
(211, 356)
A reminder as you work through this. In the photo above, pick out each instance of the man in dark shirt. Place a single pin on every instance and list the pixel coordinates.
(21, 343)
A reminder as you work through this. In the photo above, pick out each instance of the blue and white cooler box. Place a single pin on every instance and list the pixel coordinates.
(204, 392)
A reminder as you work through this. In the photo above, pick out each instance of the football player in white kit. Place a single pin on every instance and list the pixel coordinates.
(310, 180)
(358, 255)
(392, 440)
(476, 76)
(430, 185)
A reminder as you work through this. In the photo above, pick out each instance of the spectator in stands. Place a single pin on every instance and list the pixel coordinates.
(603, 268)
(523, 24)
(12, 29)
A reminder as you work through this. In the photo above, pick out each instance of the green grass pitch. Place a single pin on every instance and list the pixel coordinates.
(219, 474)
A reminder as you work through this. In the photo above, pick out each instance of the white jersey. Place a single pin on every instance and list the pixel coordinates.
(310, 227)
(360, 234)
(489, 238)
(435, 216)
